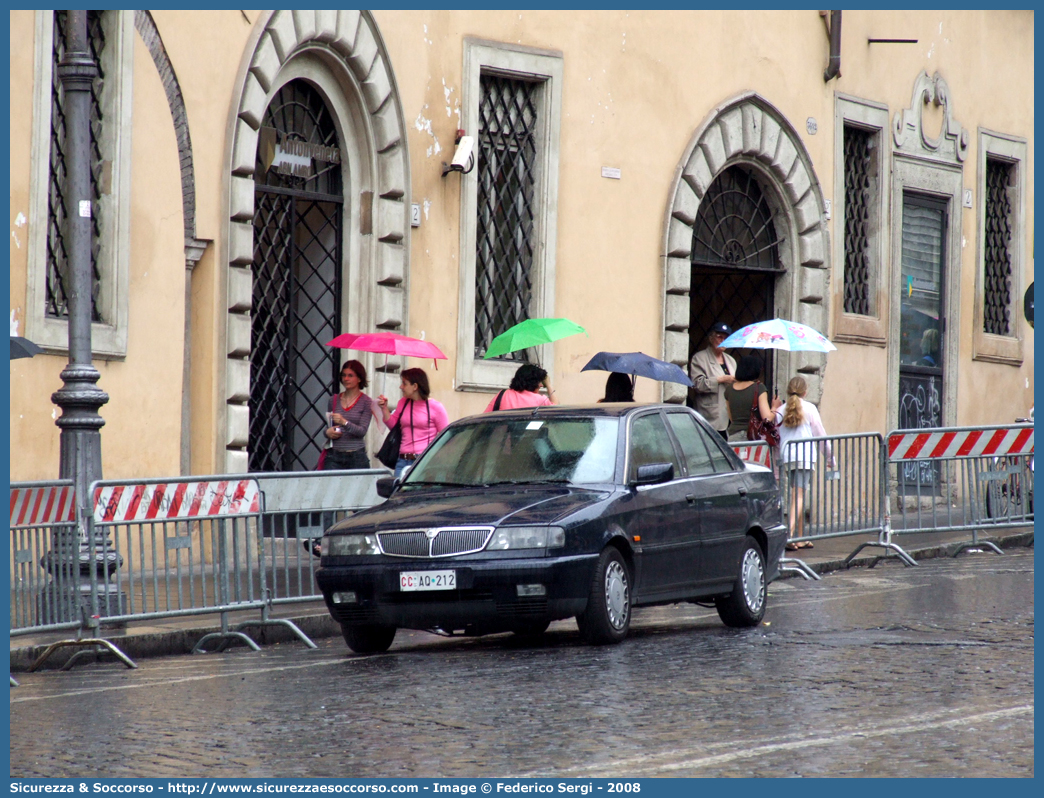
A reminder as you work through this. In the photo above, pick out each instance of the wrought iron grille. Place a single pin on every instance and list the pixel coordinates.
(734, 225)
(57, 293)
(296, 303)
(298, 113)
(998, 272)
(859, 181)
(507, 174)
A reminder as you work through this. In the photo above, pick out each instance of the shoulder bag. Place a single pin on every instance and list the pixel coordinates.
(388, 454)
(758, 429)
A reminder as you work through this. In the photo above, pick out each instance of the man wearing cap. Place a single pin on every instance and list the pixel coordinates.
(711, 370)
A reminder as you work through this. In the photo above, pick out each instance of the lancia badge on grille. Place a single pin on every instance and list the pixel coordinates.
(431, 534)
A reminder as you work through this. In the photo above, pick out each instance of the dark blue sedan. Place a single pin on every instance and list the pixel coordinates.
(511, 520)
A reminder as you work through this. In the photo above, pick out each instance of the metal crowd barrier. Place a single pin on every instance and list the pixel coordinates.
(845, 495)
(48, 591)
(763, 454)
(155, 549)
(962, 478)
(756, 452)
(45, 546)
(297, 509)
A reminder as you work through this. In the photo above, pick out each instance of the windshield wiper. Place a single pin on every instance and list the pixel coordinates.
(526, 482)
(438, 484)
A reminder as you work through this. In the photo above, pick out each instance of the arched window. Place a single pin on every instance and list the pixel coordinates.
(734, 225)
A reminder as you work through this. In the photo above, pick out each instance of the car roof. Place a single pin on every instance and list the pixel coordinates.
(604, 410)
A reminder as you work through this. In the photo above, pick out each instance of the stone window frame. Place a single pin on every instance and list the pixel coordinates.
(108, 338)
(871, 117)
(943, 182)
(1007, 349)
(932, 166)
(546, 66)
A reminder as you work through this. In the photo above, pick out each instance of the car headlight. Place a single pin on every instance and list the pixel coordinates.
(349, 545)
(526, 537)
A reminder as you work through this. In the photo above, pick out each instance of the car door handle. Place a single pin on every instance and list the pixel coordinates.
(741, 491)
(690, 498)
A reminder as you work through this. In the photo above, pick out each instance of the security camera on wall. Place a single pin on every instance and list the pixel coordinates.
(463, 157)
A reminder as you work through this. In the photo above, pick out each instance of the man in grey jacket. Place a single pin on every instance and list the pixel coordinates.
(711, 369)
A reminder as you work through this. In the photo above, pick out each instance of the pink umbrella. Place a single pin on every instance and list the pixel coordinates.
(388, 343)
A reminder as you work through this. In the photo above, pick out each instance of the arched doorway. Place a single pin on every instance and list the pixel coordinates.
(296, 293)
(745, 236)
(735, 259)
(341, 57)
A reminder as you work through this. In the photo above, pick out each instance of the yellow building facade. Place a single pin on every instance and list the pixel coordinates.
(266, 180)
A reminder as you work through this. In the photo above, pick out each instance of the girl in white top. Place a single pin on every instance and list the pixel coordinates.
(799, 420)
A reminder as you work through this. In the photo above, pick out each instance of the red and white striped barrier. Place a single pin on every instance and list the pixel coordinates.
(174, 500)
(758, 454)
(54, 504)
(950, 443)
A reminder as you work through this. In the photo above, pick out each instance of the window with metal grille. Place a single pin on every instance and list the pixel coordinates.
(997, 248)
(56, 297)
(507, 173)
(859, 189)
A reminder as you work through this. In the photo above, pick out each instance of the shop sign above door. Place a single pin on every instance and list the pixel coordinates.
(292, 157)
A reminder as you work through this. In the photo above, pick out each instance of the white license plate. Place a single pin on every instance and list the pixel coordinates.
(428, 580)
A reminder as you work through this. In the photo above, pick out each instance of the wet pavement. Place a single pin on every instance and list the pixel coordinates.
(889, 671)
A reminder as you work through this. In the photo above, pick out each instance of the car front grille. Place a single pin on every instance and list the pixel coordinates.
(441, 542)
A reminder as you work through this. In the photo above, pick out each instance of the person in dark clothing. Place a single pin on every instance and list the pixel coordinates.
(740, 397)
(618, 388)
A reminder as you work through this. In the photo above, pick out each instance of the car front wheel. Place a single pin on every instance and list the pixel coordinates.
(607, 617)
(368, 639)
(745, 605)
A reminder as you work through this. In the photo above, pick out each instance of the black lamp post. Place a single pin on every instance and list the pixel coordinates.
(79, 398)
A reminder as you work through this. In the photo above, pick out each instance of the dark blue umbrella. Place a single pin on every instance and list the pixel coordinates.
(638, 364)
(23, 347)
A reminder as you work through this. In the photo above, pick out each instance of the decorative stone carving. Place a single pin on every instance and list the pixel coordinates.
(908, 125)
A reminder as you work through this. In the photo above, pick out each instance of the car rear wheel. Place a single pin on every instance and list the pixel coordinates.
(745, 605)
(368, 639)
(607, 617)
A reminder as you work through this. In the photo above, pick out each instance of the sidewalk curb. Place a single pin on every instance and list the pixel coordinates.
(145, 644)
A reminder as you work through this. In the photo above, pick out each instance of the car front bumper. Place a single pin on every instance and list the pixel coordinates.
(485, 599)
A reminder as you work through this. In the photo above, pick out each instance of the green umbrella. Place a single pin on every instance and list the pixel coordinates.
(532, 332)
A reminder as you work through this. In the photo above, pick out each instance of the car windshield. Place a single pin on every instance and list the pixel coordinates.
(521, 451)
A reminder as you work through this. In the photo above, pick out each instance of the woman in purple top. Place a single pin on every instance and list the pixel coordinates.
(349, 414)
(422, 418)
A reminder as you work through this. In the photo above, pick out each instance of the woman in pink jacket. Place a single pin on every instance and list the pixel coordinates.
(422, 418)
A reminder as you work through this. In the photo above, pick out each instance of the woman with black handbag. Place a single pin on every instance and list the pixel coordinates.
(418, 418)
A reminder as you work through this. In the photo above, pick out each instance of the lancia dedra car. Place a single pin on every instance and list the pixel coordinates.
(514, 519)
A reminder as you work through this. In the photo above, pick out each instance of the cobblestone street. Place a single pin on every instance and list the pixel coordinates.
(889, 671)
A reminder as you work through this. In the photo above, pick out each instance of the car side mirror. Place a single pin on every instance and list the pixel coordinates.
(655, 473)
(386, 486)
